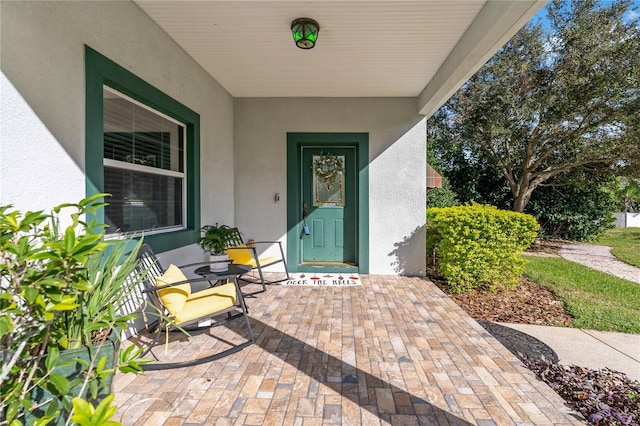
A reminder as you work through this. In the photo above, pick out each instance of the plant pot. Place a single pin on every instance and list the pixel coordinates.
(222, 264)
(69, 367)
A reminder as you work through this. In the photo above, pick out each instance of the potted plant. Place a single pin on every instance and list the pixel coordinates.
(61, 290)
(215, 238)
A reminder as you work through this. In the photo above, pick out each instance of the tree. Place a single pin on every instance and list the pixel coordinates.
(550, 102)
(470, 176)
(441, 197)
(573, 211)
(627, 193)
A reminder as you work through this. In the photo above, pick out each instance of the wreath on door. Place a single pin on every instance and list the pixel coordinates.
(328, 167)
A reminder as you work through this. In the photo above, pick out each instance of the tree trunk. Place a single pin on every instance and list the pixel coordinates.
(521, 198)
(519, 203)
(522, 188)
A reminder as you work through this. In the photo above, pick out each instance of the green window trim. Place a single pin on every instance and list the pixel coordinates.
(100, 71)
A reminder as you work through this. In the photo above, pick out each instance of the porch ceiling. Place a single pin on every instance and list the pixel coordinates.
(423, 49)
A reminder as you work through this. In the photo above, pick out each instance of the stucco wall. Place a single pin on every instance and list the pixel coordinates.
(42, 128)
(42, 121)
(397, 169)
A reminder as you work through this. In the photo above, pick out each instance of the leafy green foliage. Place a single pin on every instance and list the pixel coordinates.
(478, 245)
(573, 212)
(59, 288)
(627, 194)
(548, 103)
(99, 307)
(441, 197)
(85, 414)
(215, 238)
(468, 174)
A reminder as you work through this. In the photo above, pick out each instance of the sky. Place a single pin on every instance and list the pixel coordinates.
(631, 15)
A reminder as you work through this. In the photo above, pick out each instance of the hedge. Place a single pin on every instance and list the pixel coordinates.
(477, 246)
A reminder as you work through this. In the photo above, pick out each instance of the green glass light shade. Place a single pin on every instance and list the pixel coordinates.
(305, 32)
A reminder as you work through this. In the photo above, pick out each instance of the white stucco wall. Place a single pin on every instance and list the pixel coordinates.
(397, 169)
(243, 164)
(42, 102)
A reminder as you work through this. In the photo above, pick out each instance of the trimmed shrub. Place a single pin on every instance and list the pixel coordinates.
(478, 245)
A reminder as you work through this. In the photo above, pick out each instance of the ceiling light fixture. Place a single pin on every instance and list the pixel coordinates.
(305, 32)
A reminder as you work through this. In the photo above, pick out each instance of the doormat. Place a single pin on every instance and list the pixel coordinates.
(323, 279)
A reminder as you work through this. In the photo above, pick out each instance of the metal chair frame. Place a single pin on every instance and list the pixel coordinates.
(150, 268)
(236, 240)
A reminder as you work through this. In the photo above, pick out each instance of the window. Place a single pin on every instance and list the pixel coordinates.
(143, 147)
(143, 167)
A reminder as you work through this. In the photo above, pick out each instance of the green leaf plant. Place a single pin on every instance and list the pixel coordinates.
(61, 287)
(478, 246)
(215, 238)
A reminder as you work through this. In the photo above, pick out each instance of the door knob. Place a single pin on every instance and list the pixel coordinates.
(305, 213)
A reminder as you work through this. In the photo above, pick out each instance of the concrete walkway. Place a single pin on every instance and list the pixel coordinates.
(589, 348)
(601, 259)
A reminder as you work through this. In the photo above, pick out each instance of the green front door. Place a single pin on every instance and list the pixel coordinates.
(328, 191)
(329, 206)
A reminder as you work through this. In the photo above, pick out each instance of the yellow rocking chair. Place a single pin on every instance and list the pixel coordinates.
(243, 253)
(169, 291)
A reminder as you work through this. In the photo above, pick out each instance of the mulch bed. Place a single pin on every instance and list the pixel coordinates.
(546, 246)
(529, 303)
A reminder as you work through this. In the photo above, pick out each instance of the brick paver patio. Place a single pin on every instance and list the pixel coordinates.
(395, 350)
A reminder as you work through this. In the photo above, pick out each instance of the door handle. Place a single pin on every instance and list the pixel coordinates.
(305, 227)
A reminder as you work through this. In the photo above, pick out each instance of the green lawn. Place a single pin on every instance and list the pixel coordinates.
(625, 243)
(595, 300)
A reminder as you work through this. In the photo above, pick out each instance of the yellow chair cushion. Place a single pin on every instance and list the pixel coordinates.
(207, 303)
(264, 261)
(240, 255)
(173, 298)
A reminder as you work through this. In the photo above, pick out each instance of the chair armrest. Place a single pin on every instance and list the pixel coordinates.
(205, 262)
(242, 247)
(189, 281)
(282, 259)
